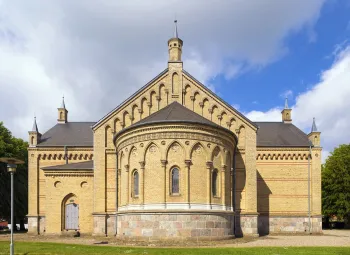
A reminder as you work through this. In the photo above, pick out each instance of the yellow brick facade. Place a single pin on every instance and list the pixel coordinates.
(268, 181)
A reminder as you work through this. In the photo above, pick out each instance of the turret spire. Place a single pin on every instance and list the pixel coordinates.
(63, 106)
(313, 128)
(35, 126)
(34, 135)
(286, 103)
(175, 32)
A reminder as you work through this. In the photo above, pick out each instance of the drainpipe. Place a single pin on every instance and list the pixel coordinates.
(116, 191)
(308, 189)
(234, 190)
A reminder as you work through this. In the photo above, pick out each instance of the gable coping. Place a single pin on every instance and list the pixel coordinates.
(189, 76)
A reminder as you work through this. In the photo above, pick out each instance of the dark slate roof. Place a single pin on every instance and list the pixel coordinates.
(279, 134)
(77, 134)
(175, 112)
(86, 165)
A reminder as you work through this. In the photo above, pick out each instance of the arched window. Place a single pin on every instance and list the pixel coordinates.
(136, 183)
(214, 183)
(175, 188)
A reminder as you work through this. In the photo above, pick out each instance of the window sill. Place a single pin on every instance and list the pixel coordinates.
(175, 195)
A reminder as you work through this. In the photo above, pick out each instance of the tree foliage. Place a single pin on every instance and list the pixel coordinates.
(336, 183)
(13, 147)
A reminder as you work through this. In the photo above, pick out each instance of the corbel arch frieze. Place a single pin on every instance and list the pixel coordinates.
(281, 156)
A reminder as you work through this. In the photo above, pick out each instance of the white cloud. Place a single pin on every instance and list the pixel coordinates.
(327, 101)
(287, 94)
(97, 54)
(271, 115)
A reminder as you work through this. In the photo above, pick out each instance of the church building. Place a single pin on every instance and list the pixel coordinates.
(174, 161)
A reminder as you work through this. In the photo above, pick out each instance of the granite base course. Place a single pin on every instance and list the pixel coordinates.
(153, 226)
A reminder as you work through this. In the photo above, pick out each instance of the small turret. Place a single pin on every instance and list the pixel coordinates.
(62, 113)
(286, 113)
(315, 136)
(34, 135)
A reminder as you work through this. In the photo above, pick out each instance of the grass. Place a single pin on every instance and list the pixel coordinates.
(32, 248)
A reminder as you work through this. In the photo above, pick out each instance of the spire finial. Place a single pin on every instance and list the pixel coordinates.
(175, 32)
(286, 103)
(313, 128)
(35, 126)
(63, 104)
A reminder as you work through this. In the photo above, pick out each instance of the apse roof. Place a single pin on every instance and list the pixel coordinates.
(174, 113)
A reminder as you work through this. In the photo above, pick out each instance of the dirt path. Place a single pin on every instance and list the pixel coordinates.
(330, 238)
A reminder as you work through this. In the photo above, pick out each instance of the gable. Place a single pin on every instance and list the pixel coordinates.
(174, 84)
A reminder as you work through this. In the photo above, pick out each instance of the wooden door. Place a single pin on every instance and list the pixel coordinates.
(72, 216)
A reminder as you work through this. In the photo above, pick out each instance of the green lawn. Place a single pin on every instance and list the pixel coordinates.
(56, 248)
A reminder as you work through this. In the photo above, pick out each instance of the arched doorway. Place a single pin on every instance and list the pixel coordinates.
(70, 213)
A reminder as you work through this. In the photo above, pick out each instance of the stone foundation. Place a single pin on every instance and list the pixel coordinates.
(111, 225)
(42, 224)
(181, 226)
(100, 221)
(36, 225)
(33, 225)
(246, 224)
(288, 224)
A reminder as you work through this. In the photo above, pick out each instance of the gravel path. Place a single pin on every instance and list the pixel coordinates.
(329, 238)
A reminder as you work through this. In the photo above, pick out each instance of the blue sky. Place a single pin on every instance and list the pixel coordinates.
(264, 88)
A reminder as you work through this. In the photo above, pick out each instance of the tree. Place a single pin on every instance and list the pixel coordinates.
(13, 147)
(336, 184)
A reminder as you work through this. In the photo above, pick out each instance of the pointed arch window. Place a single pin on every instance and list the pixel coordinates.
(175, 181)
(135, 183)
(214, 183)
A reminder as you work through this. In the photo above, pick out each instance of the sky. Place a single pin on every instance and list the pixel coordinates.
(253, 54)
